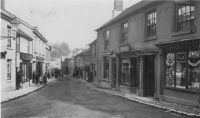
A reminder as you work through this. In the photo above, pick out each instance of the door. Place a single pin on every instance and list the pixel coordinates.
(148, 76)
(113, 73)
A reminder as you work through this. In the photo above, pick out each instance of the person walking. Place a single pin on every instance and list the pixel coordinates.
(19, 80)
(45, 79)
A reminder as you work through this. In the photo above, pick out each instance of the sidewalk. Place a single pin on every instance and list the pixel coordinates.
(170, 107)
(5, 97)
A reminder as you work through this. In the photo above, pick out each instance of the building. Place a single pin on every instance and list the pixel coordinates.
(152, 49)
(93, 56)
(39, 51)
(22, 48)
(82, 62)
(8, 49)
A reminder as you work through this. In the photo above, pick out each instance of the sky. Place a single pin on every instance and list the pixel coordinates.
(70, 21)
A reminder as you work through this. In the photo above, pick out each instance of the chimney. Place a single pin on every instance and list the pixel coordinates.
(2, 4)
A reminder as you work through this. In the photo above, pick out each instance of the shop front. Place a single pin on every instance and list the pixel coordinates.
(128, 77)
(182, 71)
(26, 67)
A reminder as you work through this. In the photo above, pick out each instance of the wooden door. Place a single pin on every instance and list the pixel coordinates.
(148, 76)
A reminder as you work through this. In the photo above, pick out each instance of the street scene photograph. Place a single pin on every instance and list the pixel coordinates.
(100, 59)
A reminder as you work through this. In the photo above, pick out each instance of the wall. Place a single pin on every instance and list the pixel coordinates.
(7, 85)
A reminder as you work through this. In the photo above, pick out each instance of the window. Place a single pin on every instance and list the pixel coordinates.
(9, 69)
(185, 17)
(194, 70)
(18, 44)
(105, 67)
(125, 74)
(106, 39)
(151, 23)
(9, 36)
(28, 47)
(124, 31)
(183, 70)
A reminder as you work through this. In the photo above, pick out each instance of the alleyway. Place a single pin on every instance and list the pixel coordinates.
(73, 99)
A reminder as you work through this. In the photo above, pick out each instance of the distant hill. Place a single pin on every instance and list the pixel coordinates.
(59, 50)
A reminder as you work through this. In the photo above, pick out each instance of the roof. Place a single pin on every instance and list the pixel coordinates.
(39, 35)
(23, 34)
(93, 42)
(13, 17)
(127, 11)
(83, 52)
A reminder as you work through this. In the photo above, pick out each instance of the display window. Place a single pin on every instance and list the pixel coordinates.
(183, 70)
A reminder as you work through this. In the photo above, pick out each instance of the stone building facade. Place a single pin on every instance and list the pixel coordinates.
(152, 49)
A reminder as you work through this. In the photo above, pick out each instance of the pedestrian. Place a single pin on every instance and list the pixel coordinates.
(45, 79)
(19, 79)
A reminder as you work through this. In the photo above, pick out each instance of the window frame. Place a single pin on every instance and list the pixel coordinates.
(187, 66)
(148, 33)
(190, 22)
(124, 31)
(106, 36)
(105, 63)
(9, 67)
(9, 44)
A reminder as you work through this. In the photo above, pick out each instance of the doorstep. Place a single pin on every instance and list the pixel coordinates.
(170, 107)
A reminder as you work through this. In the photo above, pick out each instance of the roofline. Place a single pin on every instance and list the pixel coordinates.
(14, 17)
(39, 35)
(119, 17)
(93, 42)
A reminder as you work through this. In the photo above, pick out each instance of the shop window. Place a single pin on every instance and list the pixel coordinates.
(9, 69)
(185, 16)
(105, 67)
(151, 23)
(170, 70)
(194, 70)
(183, 70)
(180, 70)
(9, 36)
(125, 73)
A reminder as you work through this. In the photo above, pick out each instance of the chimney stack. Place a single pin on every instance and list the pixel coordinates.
(2, 4)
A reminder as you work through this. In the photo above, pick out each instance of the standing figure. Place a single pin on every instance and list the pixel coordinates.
(19, 79)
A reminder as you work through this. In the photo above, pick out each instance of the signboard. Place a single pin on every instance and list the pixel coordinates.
(124, 48)
(26, 56)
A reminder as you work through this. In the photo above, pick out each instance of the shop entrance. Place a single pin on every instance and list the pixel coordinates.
(148, 76)
(113, 85)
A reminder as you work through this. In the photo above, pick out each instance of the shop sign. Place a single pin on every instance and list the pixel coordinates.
(124, 48)
(26, 56)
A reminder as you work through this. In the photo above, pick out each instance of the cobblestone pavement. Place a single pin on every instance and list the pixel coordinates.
(74, 99)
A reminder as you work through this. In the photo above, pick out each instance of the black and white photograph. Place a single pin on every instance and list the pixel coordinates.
(100, 59)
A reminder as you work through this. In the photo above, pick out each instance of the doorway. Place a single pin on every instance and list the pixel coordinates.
(113, 85)
(148, 76)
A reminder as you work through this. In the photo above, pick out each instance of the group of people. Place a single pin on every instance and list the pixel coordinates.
(78, 73)
(36, 77)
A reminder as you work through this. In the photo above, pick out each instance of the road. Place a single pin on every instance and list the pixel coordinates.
(73, 99)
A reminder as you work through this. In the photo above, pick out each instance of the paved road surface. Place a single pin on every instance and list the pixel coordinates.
(73, 99)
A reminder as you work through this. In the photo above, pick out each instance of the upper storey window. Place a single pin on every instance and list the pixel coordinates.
(151, 23)
(185, 16)
(124, 31)
(106, 39)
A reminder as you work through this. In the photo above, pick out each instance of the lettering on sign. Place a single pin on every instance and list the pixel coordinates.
(26, 56)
